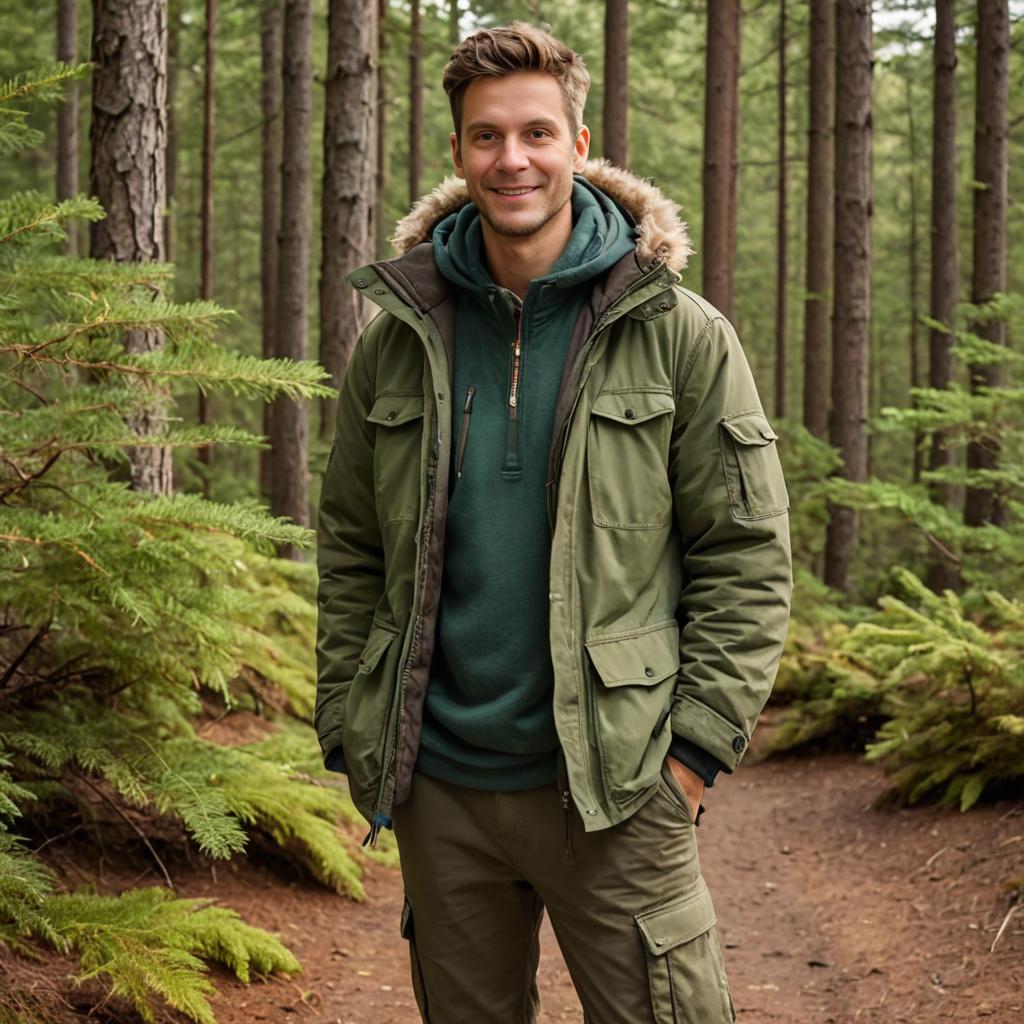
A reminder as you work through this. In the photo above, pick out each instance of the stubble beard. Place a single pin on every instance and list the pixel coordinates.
(525, 230)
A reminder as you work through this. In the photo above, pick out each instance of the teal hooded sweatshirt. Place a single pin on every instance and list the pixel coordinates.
(488, 718)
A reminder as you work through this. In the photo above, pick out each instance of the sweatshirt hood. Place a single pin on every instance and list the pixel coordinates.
(601, 236)
(660, 234)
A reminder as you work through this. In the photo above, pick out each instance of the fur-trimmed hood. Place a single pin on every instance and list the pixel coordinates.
(660, 233)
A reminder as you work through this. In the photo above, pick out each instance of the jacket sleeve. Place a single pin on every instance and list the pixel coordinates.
(350, 556)
(732, 512)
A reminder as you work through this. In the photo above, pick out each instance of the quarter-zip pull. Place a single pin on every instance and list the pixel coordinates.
(517, 351)
(464, 430)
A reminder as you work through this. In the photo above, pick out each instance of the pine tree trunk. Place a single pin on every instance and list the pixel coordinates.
(781, 266)
(415, 102)
(170, 224)
(721, 133)
(851, 317)
(289, 425)
(989, 250)
(818, 273)
(270, 199)
(206, 213)
(67, 117)
(945, 270)
(381, 227)
(454, 32)
(348, 183)
(913, 276)
(615, 125)
(128, 140)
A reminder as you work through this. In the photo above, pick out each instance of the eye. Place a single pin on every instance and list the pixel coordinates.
(537, 133)
(486, 137)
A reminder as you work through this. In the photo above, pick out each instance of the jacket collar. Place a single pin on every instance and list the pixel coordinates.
(660, 233)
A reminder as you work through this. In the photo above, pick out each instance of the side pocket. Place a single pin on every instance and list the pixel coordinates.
(753, 473)
(684, 961)
(408, 931)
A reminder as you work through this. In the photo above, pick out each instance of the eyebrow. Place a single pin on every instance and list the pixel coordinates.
(537, 122)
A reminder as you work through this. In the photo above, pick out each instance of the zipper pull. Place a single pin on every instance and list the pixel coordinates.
(467, 411)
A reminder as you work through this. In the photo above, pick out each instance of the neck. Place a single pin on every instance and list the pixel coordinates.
(514, 261)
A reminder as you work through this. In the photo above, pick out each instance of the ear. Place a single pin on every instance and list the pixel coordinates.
(581, 148)
(453, 141)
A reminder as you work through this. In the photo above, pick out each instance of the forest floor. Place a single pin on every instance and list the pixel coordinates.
(830, 912)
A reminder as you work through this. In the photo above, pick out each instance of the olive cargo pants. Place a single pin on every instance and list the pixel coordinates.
(631, 912)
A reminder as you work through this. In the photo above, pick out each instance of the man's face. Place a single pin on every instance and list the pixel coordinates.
(518, 152)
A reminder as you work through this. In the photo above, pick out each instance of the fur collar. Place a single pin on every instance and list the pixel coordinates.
(660, 234)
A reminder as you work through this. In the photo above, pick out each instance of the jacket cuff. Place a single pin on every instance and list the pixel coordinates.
(704, 727)
(698, 760)
(335, 761)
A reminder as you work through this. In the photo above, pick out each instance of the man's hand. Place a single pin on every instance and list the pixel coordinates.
(690, 783)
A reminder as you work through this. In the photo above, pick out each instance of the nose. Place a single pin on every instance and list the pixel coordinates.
(513, 156)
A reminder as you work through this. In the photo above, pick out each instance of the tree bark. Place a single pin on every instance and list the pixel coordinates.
(380, 224)
(615, 125)
(289, 425)
(851, 317)
(818, 274)
(128, 140)
(945, 269)
(981, 505)
(454, 31)
(415, 102)
(270, 199)
(913, 276)
(67, 117)
(781, 262)
(171, 161)
(721, 133)
(348, 183)
(206, 212)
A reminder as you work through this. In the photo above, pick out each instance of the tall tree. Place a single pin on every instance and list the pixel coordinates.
(454, 31)
(851, 316)
(781, 261)
(171, 159)
(206, 209)
(818, 271)
(913, 273)
(380, 225)
(415, 101)
(289, 426)
(945, 270)
(615, 122)
(270, 198)
(721, 135)
(347, 197)
(990, 203)
(67, 116)
(128, 138)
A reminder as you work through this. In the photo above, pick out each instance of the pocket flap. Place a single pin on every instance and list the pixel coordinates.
(379, 640)
(632, 407)
(642, 658)
(677, 922)
(750, 428)
(394, 410)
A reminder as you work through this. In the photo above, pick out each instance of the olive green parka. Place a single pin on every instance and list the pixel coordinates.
(670, 574)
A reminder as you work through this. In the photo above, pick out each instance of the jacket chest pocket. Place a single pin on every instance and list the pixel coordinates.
(627, 459)
(396, 455)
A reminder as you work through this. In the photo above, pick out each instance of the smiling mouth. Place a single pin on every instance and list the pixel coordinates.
(523, 191)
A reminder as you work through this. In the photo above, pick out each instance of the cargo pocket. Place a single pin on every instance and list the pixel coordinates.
(753, 473)
(627, 460)
(684, 961)
(367, 710)
(635, 679)
(408, 930)
(396, 455)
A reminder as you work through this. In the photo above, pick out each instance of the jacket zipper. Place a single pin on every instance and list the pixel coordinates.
(464, 430)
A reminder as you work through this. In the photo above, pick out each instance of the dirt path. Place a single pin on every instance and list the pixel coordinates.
(830, 913)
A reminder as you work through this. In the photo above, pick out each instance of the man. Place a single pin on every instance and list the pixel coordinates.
(554, 565)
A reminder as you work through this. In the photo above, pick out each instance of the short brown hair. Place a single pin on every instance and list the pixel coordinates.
(496, 52)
